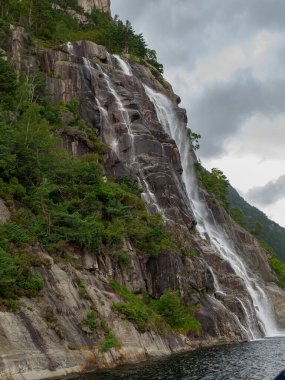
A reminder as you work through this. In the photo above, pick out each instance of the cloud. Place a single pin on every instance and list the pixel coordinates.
(272, 192)
(261, 136)
(220, 112)
(226, 61)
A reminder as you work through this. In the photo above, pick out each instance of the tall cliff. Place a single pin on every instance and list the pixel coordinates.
(219, 269)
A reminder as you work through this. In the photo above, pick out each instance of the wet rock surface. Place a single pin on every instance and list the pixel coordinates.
(48, 337)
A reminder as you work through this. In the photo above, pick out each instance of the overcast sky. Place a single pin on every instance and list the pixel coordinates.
(225, 58)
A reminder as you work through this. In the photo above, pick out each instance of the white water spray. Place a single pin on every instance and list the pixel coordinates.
(206, 225)
(124, 113)
(124, 66)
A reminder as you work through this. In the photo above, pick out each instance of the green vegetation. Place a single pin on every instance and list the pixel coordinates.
(249, 217)
(109, 342)
(51, 23)
(178, 316)
(57, 199)
(194, 139)
(237, 215)
(123, 257)
(167, 312)
(214, 182)
(82, 290)
(99, 326)
(16, 278)
(275, 263)
(90, 320)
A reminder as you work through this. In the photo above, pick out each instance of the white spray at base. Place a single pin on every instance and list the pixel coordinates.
(206, 224)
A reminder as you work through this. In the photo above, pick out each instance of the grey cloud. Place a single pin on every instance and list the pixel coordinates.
(220, 112)
(272, 192)
(184, 32)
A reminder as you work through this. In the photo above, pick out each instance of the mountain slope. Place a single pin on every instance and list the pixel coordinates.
(271, 232)
(90, 275)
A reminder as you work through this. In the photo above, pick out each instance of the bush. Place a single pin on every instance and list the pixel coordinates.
(215, 182)
(16, 278)
(8, 273)
(171, 307)
(169, 311)
(123, 257)
(91, 320)
(136, 313)
(275, 263)
(238, 216)
(34, 283)
(109, 342)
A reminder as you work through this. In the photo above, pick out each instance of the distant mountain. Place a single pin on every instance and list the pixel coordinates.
(271, 232)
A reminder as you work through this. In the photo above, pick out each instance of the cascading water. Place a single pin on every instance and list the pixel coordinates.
(148, 195)
(206, 224)
(124, 66)
(124, 113)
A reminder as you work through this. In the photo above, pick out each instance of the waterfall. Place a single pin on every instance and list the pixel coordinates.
(124, 66)
(206, 225)
(148, 196)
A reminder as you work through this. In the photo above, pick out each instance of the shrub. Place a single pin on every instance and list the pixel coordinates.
(238, 216)
(169, 311)
(8, 273)
(90, 320)
(123, 257)
(215, 182)
(136, 313)
(109, 342)
(16, 278)
(275, 263)
(171, 307)
(34, 283)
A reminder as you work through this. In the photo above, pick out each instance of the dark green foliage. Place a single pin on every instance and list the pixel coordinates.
(194, 138)
(151, 58)
(134, 309)
(8, 79)
(8, 272)
(214, 182)
(237, 215)
(52, 24)
(16, 278)
(90, 320)
(15, 233)
(256, 228)
(167, 312)
(275, 263)
(123, 257)
(64, 200)
(135, 313)
(109, 342)
(171, 307)
(271, 232)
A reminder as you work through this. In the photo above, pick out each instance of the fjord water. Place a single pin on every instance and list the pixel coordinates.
(258, 360)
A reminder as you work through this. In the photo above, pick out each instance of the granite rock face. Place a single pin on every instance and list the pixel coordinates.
(4, 212)
(48, 337)
(88, 5)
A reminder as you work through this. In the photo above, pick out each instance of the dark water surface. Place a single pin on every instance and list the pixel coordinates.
(262, 360)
